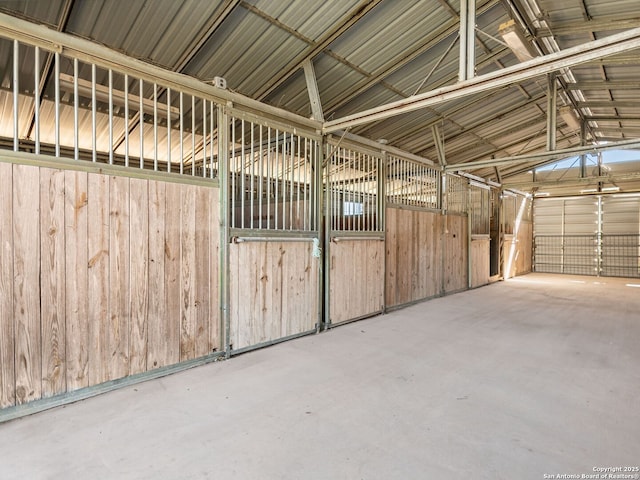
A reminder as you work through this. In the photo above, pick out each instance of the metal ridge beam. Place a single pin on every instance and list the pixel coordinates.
(538, 66)
(557, 154)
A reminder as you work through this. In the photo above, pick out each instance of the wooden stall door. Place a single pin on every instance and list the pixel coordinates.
(356, 279)
(273, 292)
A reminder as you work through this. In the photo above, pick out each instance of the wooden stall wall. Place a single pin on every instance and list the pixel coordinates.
(273, 291)
(414, 250)
(456, 247)
(356, 279)
(518, 251)
(101, 277)
(480, 261)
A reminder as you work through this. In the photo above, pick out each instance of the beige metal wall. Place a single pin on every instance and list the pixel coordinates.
(101, 277)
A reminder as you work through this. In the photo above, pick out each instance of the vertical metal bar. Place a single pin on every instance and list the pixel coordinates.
(36, 101)
(110, 117)
(276, 174)
(232, 172)
(181, 133)
(285, 153)
(242, 175)
(291, 180)
(552, 96)
(76, 101)
(268, 200)
(211, 130)
(141, 122)
(16, 78)
(155, 127)
(126, 120)
(168, 130)
(253, 174)
(223, 281)
(204, 138)
(193, 135)
(306, 185)
(93, 113)
(299, 160)
(57, 102)
(261, 185)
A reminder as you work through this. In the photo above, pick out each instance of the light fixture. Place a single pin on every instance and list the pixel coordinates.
(541, 194)
(569, 117)
(514, 37)
(611, 189)
(589, 190)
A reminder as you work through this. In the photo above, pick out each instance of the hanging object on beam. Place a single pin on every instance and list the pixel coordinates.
(515, 39)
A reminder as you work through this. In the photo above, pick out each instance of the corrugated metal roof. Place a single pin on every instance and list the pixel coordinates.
(383, 56)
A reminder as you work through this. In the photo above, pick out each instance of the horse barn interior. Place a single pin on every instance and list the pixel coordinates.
(182, 182)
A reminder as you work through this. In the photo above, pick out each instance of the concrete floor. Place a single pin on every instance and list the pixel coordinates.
(538, 375)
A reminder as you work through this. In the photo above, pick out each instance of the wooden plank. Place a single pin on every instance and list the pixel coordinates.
(215, 329)
(187, 273)
(234, 293)
(116, 353)
(7, 360)
(172, 290)
(391, 241)
(52, 281)
(139, 270)
(98, 277)
(156, 341)
(480, 262)
(26, 288)
(204, 281)
(76, 280)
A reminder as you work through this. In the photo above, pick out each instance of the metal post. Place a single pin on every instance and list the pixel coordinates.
(467, 39)
(110, 117)
(36, 101)
(223, 166)
(169, 130)
(57, 102)
(126, 120)
(16, 77)
(155, 127)
(76, 101)
(583, 157)
(94, 108)
(141, 123)
(552, 95)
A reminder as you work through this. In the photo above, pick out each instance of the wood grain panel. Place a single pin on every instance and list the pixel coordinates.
(480, 262)
(205, 252)
(98, 278)
(7, 365)
(172, 288)
(76, 279)
(215, 325)
(263, 275)
(456, 245)
(188, 273)
(413, 255)
(139, 270)
(156, 344)
(117, 341)
(26, 286)
(52, 281)
(356, 279)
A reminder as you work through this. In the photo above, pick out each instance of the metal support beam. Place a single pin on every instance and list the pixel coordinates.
(583, 157)
(439, 143)
(467, 40)
(552, 111)
(543, 156)
(586, 52)
(312, 88)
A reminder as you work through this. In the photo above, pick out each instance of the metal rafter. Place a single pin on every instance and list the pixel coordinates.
(535, 67)
(315, 47)
(376, 77)
(48, 64)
